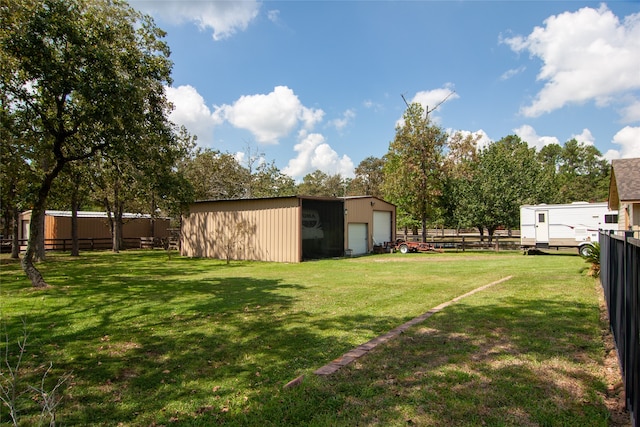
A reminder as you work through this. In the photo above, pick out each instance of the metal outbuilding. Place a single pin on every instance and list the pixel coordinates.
(286, 229)
(92, 226)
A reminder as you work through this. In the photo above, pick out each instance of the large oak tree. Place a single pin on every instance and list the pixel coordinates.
(89, 75)
(506, 176)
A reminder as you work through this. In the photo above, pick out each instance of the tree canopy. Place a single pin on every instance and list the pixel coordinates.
(413, 171)
(438, 179)
(84, 121)
(369, 178)
(577, 172)
(88, 77)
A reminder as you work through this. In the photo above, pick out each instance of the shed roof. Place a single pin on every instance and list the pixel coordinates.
(269, 198)
(366, 197)
(91, 214)
(300, 197)
(625, 181)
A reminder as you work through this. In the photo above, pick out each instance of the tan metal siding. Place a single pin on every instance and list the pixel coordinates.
(360, 210)
(50, 227)
(88, 228)
(59, 227)
(261, 230)
(98, 228)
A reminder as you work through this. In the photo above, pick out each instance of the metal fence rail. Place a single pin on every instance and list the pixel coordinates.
(619, 265)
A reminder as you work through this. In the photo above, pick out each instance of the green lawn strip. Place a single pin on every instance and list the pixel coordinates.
(152, 339)
(525, 352)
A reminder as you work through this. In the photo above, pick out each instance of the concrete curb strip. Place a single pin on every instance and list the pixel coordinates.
(363, 349)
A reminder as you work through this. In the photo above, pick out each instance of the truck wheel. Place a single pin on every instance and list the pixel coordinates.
(404, 249)
(585, 250)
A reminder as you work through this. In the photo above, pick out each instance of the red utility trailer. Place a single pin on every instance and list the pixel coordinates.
(406, 247)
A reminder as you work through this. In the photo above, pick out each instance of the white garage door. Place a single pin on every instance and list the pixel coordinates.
(358, 239)
(381, 227)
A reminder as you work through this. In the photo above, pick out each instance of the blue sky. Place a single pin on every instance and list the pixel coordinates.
(319, 84)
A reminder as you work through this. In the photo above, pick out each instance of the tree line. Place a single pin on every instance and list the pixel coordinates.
(84, 125)
(438, 179)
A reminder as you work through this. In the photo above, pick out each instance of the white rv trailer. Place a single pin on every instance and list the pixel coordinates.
(570, 225)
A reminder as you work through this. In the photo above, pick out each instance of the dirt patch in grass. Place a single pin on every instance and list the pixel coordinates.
(116, 349)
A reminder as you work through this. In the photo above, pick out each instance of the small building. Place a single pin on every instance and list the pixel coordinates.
(286, 229)
(624, 193)
(93, 228)
(370, 222)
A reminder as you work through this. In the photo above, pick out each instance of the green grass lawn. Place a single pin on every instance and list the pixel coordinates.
(157, 340)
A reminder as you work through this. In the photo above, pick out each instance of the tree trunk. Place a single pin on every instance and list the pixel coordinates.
(118, 225)
(37, 281)
(117, 234)
(75, 245)
(481, 230)
(491, 231)
(15, 241)
(36, 227)
(153, 216)
(39, 253)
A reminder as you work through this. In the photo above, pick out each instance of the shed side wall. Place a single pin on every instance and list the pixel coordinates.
(360, 210)
(59, 227)
(263, 230)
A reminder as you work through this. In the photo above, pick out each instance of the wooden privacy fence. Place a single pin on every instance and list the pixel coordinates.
(619, 265)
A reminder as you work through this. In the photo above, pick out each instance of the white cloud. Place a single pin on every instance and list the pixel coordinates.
(631, 112)
(512, 72)
(274, 16)
(483, 139)
(342, 122)
(370, 105)
(225, 18)
(585, 137)
(587, 55)
(314, 153)
(270, 117)
(191, 112)
(240, 156)
(529, 135)
(431, 99)
(629, 140)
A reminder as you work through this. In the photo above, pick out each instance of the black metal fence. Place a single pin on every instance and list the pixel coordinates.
(619, 264)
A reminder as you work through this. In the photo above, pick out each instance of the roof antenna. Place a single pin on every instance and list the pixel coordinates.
(434, 108)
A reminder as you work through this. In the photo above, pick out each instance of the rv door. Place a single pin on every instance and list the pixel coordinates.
(542, 228)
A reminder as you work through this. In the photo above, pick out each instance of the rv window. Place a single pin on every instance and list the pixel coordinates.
(541, 217)
(611, 219)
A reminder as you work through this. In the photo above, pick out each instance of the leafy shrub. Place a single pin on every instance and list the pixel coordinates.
(593, 258)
